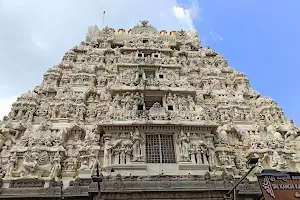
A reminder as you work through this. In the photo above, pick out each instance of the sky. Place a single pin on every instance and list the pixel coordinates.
(258, 38)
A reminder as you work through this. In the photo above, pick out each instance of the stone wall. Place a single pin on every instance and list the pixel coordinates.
(132, 187)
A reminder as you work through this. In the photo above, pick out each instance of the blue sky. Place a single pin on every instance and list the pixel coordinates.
(257, 37)
(261, 39)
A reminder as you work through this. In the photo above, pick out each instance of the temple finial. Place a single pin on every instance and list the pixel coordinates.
(144, 23)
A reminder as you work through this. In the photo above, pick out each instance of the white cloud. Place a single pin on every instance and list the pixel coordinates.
(215, 36)
(5, 105)
(40, 43)
(186, 16)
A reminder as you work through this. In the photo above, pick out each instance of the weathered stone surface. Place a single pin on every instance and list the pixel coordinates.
(117, 99)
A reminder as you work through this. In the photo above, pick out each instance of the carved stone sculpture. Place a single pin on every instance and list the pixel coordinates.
(137, 141)
(184, 140)
(143, 103)
(11, 166)
(56, 166)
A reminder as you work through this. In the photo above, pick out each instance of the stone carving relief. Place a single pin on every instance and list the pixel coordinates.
(142, 77)
(137, 150)
(34, 154)
(196, 149)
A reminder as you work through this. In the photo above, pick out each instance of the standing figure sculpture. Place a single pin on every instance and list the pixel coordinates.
(137, 145)
(211, 152)
(10, 167)
(56, 166)
(107, 151)
(184, 143)
(93, 163)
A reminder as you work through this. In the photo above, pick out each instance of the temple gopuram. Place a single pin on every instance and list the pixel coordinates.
(159, 115)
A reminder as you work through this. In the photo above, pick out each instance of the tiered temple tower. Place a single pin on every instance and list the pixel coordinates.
(155, 110)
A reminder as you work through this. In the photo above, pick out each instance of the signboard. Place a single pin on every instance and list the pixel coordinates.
(280, 187)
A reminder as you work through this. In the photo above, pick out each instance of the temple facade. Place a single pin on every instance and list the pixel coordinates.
(162, 117)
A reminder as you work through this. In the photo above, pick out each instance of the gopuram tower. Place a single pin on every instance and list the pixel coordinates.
(162, 117)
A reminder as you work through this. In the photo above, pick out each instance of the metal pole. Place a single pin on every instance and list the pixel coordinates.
(103, 20)
(99, 189)
(145, 84)
(234, 194)
(233, 188)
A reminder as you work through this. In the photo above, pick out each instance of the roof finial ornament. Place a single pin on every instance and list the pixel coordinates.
(144, 23)
(181, 32)
(103, 19)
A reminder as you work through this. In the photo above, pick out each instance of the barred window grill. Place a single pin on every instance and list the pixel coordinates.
(160, 149)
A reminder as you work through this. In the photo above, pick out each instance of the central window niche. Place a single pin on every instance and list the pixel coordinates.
(151, 100)
(160, 149)
(150, 74)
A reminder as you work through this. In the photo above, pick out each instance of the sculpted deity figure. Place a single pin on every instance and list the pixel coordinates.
(116, 154)
(30, 163)
(201, 152)
(13, 112)
(191, 103)
(56, 166)
(225, 159)
(11, 165)
(157, 112)
(71, 163)
(211, 152)
(240, 161)
(224, 115)
(44, 110)
(122, 149)
(222, 132)
(30, 113)
(20, 113)
(292, 131)
(80, 113)
(84, 165)
(236, 114)
(184, 143)
(137, 140)
(107, 151)
(43, 131)
(5, 152)
(275, 135)
(197, 150)
(257, 128)
(275, 160)
(93, 163)
(92, 135)
(54, 112)
(122, 154)
(65, 110)
(7, 134)
(117, 101)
